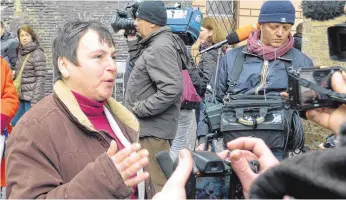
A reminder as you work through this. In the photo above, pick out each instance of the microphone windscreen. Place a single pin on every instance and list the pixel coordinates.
(322, 10)
(243, 33)
(166, 164)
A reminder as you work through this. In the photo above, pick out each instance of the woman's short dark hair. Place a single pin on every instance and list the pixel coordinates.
(29, 30)
(66, 42)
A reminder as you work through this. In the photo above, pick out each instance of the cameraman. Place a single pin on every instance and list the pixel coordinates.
(155, 85)
(261, 65)
(321, 174)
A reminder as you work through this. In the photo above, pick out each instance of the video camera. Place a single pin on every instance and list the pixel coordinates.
(213, 178)
(311, 87)
(124, 19)
(186, 23)
(337, 42)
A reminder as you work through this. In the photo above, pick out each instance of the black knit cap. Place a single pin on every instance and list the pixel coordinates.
(153, 12)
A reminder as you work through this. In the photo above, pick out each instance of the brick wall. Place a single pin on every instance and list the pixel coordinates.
(46, 16)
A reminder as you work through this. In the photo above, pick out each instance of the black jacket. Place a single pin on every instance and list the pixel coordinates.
(207, 68)
(298, 41)
(9, 46)
(315, 175)
(34, 73)
(155, 85)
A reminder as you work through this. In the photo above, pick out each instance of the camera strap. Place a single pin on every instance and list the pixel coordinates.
(330, 93)
(237, 69)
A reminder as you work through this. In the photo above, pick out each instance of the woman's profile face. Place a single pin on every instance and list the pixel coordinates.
(205, 34)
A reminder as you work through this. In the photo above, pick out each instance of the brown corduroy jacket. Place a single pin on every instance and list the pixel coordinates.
(54, 152)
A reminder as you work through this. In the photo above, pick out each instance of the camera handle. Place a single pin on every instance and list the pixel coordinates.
(211, 140)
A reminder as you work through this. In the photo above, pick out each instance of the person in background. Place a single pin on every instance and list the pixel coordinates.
(9, 107)
(262, 65)
(31, 57)
(209, 35)
(155, 84)
(320, 175)
(298, 37)
(79, 142)
(9, 44)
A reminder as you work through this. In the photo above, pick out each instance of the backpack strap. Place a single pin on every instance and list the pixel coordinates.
(237, 69)
(181, 48)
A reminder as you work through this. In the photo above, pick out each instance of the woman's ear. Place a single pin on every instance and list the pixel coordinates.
(210, 33)
(62, 65)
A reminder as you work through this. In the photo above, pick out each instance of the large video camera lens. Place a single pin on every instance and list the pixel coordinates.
(121, 21)
(337, 42)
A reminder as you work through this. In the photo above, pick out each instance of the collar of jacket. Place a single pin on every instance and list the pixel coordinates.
(30, 47)
(298, 35)
(155, 33)
(120, 112)
(287, 57)
(7, 35)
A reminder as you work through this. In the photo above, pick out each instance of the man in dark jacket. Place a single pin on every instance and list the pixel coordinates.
(266, 56)
(8, 46)
(298, 37)
(155, 84)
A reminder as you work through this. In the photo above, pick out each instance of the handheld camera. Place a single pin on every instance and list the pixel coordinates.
(213, 178)
(311, 88)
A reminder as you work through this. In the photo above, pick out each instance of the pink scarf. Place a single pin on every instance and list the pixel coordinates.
(254, 47)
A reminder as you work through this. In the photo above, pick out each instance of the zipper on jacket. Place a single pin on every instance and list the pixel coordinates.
(263, 76)
(99, 136)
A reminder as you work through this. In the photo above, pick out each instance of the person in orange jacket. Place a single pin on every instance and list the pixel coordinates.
(9, 107)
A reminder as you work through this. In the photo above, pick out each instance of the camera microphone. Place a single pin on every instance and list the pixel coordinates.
(166, 163)
(235, 37)
(323, 10)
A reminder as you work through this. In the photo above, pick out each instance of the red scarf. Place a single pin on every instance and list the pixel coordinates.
(254, 46)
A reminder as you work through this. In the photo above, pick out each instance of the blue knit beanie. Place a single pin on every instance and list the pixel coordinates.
(277, 11)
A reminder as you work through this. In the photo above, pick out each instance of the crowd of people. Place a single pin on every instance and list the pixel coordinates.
(79, 142)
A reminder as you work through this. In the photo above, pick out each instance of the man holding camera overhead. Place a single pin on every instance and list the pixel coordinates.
(262, 67)
(155, 85)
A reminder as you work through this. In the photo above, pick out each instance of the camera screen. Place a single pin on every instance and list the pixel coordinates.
(215, 187)
(320, 77)
(343, 42)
